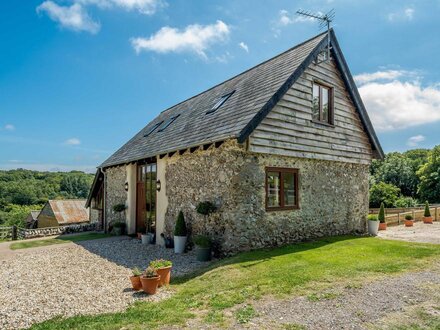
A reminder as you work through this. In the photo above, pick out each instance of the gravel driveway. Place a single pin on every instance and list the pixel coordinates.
(420, 232)
(88, 277)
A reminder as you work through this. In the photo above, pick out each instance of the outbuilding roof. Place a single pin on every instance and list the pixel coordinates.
(69, 211)
(252, 94)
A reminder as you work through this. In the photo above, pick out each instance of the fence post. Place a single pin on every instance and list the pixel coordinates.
(414, 215)
(398, 218)
(14, 233)
(436, 214)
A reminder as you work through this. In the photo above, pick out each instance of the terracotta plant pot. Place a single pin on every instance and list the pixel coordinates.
(150, 284)
(427, 219)
(165, 275)
(382, 226)
(409, 223)
(136, 282)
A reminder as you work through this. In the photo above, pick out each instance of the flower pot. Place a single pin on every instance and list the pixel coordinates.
(150, 284)
(427, 219)
(117, 231)
(151, 238)
(382, 225)
(165, 275)
(145, 239)
(136, 282)
(179, 244)
(373, 227)
(409, 223)
(203, 254)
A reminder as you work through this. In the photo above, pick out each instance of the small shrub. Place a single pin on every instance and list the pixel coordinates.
(206, 208)
(405, 202)
(180, 229)
(408, 217)
(381, 215)
(119, 225)
(136, 271)
(372, 217)
(427, 213)
(202, 241)
(150, 272)
(160, 263)
(119, 208)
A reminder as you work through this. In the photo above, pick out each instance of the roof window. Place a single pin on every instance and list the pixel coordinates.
(220, 102)
(152, 129)
(168, 123)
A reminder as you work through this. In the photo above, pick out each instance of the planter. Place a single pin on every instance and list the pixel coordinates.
(373, 227)
(203, 254)
(136, 282)
(179, 244)
(165, 275)
(409, 223)
(117, 231)
(427, 219)
(382, 225)
(150, 284)
(151, 238)
(145, 239)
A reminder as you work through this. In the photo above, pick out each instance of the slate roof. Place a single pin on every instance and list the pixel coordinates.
(257, 90)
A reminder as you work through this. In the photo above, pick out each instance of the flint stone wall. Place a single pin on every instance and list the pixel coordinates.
(333, 198)
(51, 231)
(115, 193)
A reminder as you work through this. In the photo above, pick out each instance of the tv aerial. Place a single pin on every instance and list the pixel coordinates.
(324, 22)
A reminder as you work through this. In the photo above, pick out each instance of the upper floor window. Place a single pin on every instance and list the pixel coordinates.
(168, 123)
(322, 104)
(281, 188)
(220, 102)
(153, 128)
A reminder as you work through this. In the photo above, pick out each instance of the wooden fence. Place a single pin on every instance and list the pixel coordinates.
(396, 216)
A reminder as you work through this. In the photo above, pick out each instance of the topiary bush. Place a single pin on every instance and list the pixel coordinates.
(408, 217)
(206, 208)
(119, 208)
(381, 215)
(427, 213)
(372, 217)
(180, 229)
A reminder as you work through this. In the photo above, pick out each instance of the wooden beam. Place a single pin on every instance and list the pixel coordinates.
(218, 144)
(206, 146)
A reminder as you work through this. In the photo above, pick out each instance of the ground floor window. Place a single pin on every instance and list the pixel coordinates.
(281, 188)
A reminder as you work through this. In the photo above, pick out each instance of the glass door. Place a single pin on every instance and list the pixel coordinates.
(146, 197)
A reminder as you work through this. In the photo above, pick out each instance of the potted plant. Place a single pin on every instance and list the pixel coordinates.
(180, 234)
(118, 228)
(163, 269)
(145, 238)
(203, 247)
(409, 220)
(381, 217)
(150, 280)
(206, 208)
(373, 224)
(427, 218)
(136, 279)
(141, 230)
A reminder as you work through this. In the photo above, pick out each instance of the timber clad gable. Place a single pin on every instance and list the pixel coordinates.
(290, 130)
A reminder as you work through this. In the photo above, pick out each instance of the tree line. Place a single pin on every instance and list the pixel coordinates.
(406, 179)
(24, 190)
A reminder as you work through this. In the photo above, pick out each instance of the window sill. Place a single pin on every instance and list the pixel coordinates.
(323, 123)
(290, 208)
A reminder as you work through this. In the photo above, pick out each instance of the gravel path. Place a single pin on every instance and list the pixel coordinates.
(88, 277)
(350, 308)
(420, 232)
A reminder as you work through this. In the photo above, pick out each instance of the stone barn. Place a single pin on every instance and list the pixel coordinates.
(283, 150)
(62, 213)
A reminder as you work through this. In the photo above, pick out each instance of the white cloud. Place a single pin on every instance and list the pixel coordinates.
(397, 100)
(413, 141)
(406, 14)
(194, 38)
(73, 142)
(72, 17)
(244, 46)
(147, 7)
(9, 127)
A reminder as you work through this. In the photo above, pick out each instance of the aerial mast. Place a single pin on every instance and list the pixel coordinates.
(324, 21)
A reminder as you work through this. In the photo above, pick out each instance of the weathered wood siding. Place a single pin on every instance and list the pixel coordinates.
(289, 130)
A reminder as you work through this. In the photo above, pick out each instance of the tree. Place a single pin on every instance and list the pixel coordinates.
(429, 174)
(383, 193)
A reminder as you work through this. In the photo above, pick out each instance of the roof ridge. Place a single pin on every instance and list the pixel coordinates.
(245, 71)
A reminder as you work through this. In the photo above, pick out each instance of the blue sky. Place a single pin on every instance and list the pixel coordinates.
(78, 78)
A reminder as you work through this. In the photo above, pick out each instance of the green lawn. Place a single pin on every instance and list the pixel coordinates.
(301, 269)
(56, 240)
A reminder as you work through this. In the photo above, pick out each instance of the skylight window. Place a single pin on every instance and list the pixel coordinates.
(168, 123)
(152, 129)
(220, 102)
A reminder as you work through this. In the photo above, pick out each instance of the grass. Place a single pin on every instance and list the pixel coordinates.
(301, 269)
(56, 240)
